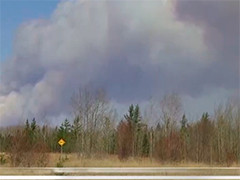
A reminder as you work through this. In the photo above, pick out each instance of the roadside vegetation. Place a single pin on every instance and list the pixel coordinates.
(159, 134)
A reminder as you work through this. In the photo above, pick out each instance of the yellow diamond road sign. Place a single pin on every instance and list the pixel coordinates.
(61, 142)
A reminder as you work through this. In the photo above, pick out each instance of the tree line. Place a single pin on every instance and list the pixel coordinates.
(161, 132)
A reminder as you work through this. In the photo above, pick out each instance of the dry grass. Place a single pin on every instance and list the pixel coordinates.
(113, 161)
(72, 160)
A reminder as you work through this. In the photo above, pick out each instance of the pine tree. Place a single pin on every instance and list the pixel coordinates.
(137, 130)
(206, 130)
(184, 137)
(130, 116)
(33, 133)
(133, 117)
(183, 122)
(65, 132)
(27, 126)
(67, 126)
(136, 115)
(33, 125)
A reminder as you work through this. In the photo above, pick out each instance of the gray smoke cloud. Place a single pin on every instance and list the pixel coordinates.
(220, 22)
(132, 49)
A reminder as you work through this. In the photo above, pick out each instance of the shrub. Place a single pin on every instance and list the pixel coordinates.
(25, 153)
(125, 140)
(59, 163)
(230, 158)
(2, 159)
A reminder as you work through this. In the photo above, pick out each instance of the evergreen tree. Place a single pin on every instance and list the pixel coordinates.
(130, 116)
(136, 115)
(33, 131)
(133, 117)
(67, 126)
(27, 126)
(184, 122)
(206, 131)
(184, 137)
(65, 132)
(33, 125)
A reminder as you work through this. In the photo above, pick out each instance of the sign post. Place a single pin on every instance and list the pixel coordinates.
(61, 142)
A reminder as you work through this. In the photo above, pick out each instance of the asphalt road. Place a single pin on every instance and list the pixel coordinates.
(122, 173)
(120, 177)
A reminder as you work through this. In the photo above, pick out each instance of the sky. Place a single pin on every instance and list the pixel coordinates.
(135, 50)
(14, 13)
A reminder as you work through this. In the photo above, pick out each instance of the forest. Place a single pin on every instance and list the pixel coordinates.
(161, 131)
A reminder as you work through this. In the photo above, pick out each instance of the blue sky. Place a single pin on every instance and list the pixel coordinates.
(15, 12)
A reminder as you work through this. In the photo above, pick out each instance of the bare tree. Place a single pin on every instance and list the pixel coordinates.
(171, 108)
(125, 139)
(91, 107)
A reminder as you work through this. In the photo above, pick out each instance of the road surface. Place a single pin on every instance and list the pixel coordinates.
(122, 173)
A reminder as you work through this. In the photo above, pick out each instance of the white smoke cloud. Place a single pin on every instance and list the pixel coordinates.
(133, 49)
